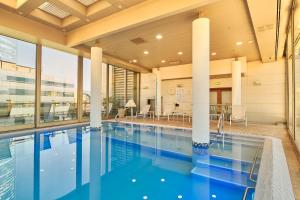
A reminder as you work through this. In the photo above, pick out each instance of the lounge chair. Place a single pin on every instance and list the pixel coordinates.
(144, 112)
(238, 115)
(121, 113)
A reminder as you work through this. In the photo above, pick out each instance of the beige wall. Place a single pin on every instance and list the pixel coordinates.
(147, 88)
(265, 99)
(263, 87)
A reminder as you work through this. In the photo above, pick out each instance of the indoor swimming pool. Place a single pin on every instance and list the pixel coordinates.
(127, 162)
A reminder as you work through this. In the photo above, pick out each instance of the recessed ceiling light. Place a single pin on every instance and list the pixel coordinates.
(134, 60)
(159, 36)
(179, 196)
(145, 197)
(239, 43)
(180, 53)
(213, 53)
(146, 52)
(250, 41)
(163, 61)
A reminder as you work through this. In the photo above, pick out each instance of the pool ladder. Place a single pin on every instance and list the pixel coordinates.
(220, 126)
(258, 150)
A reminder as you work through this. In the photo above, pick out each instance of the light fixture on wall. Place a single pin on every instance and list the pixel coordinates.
(256, 83)
(180, 53)
(163, 61)
(146, 52)
(213, 53)
(158, 36)
(239, 43)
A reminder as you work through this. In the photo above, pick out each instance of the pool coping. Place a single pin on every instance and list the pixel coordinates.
(274, 182)
(273, 178)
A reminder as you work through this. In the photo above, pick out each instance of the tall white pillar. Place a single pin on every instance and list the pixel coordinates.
(96, 86)
(236, 70)
(158, 91)
(200, 73)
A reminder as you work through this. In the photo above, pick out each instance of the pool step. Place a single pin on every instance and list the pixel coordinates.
(236, 141)
(226, 163)
(222, 174)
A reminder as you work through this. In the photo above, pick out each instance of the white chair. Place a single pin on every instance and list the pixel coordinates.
(238, 115)
(144, 111)
(121, 113)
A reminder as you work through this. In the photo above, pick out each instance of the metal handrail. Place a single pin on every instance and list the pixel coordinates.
(246, 192)
(220, 125)
(253, 165)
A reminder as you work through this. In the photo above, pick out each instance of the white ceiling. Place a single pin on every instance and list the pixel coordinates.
(229, 21)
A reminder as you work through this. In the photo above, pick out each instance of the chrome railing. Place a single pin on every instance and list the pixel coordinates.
(220, 126)
(253, 165)
(246, 192)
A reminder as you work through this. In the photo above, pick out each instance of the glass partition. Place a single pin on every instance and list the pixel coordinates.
(57, 94)
(58, 86)
(296, 93)
(17, 82)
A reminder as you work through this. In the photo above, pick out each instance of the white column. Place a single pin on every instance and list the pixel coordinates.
(236, 70)
(158, 91)
(96, 85)
(200, 82)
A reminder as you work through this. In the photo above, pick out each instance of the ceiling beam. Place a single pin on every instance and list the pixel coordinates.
(86, 51)
(263, 16)
(97, 7)
(46, 18)
(27, 6)
(70, 20)
(9, 3)
(73, 7)
(145, 12)
(23, 28)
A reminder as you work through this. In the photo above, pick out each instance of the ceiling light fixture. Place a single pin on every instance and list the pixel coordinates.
(134, 60)
(213, 53)
(163, 61)
(180, 53)
(239, 43)
(159, 36)
(146, 52)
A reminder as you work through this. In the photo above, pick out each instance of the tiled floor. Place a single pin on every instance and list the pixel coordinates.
(278, 131)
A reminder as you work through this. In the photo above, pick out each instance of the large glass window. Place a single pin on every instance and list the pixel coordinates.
(17, 82)
(296, 94)
(58, 86)
(86, 98)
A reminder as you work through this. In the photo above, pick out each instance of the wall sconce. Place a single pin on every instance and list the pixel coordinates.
(257, 83)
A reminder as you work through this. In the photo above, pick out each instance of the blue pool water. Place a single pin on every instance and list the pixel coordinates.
(126, 162)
